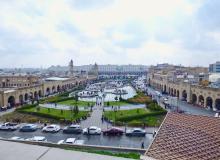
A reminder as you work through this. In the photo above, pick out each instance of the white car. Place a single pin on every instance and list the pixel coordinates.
(9, 126)
(71, 141)
(51, 128)
(37, 139)
(93, 130)
(17, 138)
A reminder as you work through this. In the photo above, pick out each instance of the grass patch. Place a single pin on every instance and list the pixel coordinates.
(137, 117)
(72, 102)
(55, 113)
(116, 103)
(130, 155)
(65, 116)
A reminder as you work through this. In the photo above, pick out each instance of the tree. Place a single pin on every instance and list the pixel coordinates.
(76, 110)
(116, 98)
(76, 98)
(120, 98)
(108, 103)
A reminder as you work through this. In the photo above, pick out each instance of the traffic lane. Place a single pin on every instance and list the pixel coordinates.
(117, 141)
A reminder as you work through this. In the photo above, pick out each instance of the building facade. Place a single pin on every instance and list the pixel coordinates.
(214, 68)
(184, 89)
(11, 96)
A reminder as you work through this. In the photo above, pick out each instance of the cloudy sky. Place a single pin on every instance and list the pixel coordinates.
(51, 32)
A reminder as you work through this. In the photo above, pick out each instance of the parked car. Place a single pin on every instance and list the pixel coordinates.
(113, 131)
(8, 126)
(51, 128)
(37, 139)
(93, 130)
(17, 138)
(71, 141)
(28, 128)
(135, 132)
(72, 129)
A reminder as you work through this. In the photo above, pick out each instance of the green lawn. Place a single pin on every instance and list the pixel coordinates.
(79, 103)
(55, 113)
(136, 117)
(117, 103)
(111, 114)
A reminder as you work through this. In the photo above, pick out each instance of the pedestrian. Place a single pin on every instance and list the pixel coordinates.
(142, 145)
(88, 130)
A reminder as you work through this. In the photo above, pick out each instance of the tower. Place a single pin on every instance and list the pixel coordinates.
(71, 68)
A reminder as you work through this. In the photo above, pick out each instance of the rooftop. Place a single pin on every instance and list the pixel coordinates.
(20, 151)
(56, 79)
(187, 137)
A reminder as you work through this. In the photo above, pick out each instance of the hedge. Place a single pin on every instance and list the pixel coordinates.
(27, 106)
(56, 99)
(139, 116)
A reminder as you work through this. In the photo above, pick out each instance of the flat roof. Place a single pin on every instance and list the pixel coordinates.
(20, 151)
(184, 136)
(56, 79)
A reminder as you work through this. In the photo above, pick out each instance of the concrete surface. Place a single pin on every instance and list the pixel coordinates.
(20, 151)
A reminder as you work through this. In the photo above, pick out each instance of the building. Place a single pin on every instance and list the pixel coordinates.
(183, 137)
(14, 96)
(71, 71)
(19, 89)
(215, 67)
(14, 81)
(181, 83)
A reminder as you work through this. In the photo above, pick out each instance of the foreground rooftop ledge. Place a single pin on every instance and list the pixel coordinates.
(74, 146)
(20, 151)
(184, 136)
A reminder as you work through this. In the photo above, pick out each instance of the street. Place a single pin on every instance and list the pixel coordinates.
(184, 106)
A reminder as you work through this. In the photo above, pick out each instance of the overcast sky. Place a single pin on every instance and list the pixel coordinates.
(40, 33)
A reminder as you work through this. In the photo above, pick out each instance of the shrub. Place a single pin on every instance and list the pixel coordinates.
(155, 107)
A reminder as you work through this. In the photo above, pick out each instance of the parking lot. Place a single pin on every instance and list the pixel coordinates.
(117, 141)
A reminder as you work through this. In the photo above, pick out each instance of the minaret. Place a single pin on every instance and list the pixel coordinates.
(71, 68)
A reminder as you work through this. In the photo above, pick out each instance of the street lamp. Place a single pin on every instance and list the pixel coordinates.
(115, 110)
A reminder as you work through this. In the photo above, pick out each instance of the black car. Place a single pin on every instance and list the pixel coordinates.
(72, 129)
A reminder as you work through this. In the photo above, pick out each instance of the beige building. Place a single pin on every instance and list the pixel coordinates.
(203, 96)
(17, 90)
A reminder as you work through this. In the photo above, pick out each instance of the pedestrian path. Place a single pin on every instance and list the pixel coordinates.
(7, 111)
(95, 119)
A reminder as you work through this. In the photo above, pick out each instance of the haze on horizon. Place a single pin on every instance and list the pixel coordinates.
(51, 32)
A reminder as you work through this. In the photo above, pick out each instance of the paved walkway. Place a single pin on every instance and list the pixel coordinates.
(7, 111)
(95, 119)
(20, 151)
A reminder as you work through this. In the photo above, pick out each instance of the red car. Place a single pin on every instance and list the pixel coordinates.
(113, 131)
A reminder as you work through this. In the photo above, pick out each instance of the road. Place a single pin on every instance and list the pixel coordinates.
(188, 108)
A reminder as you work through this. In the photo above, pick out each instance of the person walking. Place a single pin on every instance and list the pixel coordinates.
(142, 145)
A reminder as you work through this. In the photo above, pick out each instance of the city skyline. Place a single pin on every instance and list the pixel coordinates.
(44, 33)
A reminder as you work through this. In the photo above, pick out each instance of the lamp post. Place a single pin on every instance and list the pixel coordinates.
(115, 110)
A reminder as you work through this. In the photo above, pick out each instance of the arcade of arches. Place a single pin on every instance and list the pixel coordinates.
(204, 97)
(20, 96)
